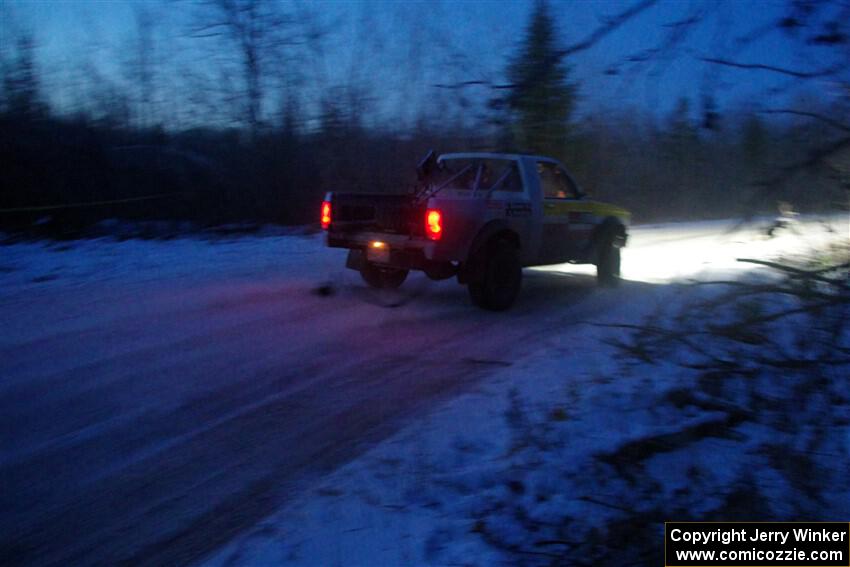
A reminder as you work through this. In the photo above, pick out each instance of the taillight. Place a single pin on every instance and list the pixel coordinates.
(433, 224)
(326, 214)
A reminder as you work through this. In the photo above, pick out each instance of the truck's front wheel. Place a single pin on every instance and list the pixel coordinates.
(500, 282)
(382, 278)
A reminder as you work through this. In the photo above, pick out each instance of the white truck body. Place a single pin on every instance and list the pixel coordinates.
(530, 202)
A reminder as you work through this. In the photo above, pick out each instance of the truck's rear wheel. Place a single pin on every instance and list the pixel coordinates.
(608, 264)
(501, 280)
(382, 278)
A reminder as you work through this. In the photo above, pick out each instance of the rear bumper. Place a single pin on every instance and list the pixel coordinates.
(404, 252)
(394, 241)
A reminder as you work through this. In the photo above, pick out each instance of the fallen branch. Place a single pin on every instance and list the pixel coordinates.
(802, 363)
(674, 336)
(756, 289)
(810, 274)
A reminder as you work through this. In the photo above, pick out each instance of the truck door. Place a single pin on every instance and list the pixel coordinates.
(565, 235)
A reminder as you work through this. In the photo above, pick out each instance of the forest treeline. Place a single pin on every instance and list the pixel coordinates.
(64, 172)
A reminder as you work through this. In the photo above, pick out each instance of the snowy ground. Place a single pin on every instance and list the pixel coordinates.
(187, 400)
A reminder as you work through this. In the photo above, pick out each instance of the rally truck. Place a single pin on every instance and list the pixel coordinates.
(479, 217)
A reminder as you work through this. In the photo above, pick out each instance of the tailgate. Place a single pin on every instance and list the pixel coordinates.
(354, 212)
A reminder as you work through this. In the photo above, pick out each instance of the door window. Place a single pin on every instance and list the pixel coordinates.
(555, 182)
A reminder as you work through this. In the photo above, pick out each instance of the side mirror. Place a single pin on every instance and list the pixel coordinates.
(426, 165)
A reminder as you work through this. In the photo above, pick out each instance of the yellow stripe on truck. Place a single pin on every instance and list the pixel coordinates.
(552, 208)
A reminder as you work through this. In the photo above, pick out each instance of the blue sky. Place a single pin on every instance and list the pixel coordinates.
(397, 51)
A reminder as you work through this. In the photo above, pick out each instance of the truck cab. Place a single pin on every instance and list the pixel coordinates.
(480, 217)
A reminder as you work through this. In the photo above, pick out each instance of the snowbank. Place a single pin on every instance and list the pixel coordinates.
(583, 443)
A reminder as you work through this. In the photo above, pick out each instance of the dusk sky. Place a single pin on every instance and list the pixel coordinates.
(398, 51)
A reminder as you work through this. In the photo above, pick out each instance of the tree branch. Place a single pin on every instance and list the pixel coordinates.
(782, 70)
(773, 183)
(609, 26)
(612, 24)
(679, 32)
(816, 116)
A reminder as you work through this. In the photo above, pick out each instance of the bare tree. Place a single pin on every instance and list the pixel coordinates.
(259, 32)
(21, 87)
(820, 32)
(144, 66)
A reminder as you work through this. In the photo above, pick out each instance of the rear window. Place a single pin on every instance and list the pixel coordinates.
(478, 174)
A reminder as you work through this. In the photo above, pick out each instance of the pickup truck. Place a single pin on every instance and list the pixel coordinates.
(480, 217)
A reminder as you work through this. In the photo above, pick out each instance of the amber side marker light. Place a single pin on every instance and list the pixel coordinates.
(433, 224)
(378, 244)
(326, 215)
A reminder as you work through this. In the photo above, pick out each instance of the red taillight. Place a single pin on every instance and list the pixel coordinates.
(433, 224)
(326, 215)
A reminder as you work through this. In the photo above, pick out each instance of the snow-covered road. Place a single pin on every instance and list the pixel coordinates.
(157, 399)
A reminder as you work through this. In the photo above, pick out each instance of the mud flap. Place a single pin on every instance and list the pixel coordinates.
(355, 259)
(474, 268)
(440, 270)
